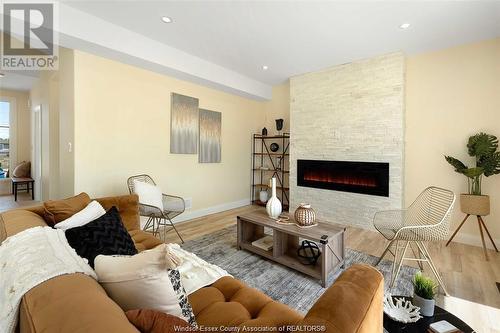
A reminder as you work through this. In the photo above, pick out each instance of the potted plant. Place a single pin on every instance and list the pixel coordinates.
(424, 290)
(483, 147)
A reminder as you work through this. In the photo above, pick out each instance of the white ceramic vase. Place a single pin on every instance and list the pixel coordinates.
(273, 206)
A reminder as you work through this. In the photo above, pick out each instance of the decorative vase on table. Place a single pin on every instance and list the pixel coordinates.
(305, 215)
(273, 206)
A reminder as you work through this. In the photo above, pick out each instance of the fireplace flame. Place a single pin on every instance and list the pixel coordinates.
(355, 180)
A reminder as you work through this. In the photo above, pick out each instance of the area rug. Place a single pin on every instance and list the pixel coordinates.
(279, 282)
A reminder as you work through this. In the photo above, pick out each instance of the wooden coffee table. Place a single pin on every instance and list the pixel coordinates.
(286, 241)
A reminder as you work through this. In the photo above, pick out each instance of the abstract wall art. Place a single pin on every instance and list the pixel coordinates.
(210, 136)
(183, 124)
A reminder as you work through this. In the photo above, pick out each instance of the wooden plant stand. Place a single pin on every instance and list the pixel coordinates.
(286, 238)
(481, 225)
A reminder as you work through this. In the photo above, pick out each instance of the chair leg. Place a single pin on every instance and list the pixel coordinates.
(384, 253)
(427, 256)
(487, 232)
(417, 255)
(395, 276)
(175, 229)
(394, 263)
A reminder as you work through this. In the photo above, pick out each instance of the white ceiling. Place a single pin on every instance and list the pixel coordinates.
(296, 37)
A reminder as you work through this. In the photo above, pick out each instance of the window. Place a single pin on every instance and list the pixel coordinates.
(4, 137)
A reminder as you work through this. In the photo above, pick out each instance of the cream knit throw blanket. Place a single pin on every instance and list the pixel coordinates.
(29, 258)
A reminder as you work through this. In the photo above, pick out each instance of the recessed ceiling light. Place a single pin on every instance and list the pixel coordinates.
(166, 19)
(265, 68)
(2, 74)
(404, 26)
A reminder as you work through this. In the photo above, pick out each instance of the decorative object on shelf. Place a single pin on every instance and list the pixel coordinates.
(305, 215)
(263, 196)
(183, 124)
(273, 206)
(279, 163)
(308, 252)
(279, 125)
(210, 136)
(424, 290)
(264, 132)
(484, 148)
(274, 147)
(401, 311)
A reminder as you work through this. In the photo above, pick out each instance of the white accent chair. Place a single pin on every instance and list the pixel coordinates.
(172, 206)
(426, 219)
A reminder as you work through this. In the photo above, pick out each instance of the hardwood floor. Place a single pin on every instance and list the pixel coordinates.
(23, 200)
(470, 279)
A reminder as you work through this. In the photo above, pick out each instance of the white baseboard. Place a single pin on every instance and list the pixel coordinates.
(189, 215)
(475, 240)
(193, 214)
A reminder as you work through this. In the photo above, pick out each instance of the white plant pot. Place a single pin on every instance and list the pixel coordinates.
(263, 196)
(426, 305)
(273, 206)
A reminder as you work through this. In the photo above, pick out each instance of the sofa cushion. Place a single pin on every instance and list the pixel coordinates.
(17, 221)
(231, 302)
(105, 235)
(73, 303)
(152, 321)
(59, 210)
(144, 240)
(147, 280)
(128, 207)
(93, 211)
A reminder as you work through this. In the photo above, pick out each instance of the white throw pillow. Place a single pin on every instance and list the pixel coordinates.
(93, 211)
(147, 280)
(148, 194)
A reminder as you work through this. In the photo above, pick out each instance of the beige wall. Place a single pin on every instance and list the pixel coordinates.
(66, 123)
(122, 125)
(278, 107)
(452, 94)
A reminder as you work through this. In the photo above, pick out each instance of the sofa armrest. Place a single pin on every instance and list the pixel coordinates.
(353, 304)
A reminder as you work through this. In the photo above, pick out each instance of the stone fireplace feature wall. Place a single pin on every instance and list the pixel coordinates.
(350, 112)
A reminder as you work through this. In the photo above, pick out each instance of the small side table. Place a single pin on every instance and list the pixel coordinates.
(422, 325)
(29, 182)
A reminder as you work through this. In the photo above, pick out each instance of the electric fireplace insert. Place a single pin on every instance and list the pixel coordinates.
(358, 177)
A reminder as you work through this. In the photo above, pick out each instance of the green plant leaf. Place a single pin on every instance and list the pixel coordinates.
(424, 286)
(473, 172)
(457, 164)
(482, 144)
(490, 164)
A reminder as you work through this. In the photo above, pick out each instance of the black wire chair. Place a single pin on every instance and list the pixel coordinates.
(172, 206)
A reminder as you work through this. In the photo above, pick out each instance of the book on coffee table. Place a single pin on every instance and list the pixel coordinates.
(443, 327)
(265, 243)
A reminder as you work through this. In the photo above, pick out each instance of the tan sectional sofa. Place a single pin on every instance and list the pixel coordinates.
(77, 303)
